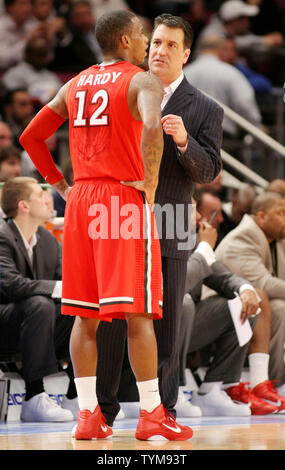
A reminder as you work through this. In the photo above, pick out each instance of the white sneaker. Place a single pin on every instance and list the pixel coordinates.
(41, 408)
(281, 390)
(120, 415)
(130, 409)
(70, 404)
(184, 408)
(218, 403)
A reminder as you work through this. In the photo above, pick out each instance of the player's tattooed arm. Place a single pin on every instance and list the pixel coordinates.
(144, 102)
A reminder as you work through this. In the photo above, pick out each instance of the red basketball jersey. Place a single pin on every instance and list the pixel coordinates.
(104, 138)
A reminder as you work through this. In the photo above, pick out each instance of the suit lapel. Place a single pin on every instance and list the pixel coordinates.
(20, 244)
(182, 97)
(280, 247)
(38, 265)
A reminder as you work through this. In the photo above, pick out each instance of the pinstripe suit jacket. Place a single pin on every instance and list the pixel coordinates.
(200, 163)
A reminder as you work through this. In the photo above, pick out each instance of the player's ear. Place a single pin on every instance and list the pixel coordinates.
(125, 41)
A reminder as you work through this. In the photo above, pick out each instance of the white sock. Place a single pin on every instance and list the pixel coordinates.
(149, 394)
(206, 387)
(86, 392)
(258, 368)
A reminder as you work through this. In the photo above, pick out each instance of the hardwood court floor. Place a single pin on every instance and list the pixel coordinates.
(252, 433)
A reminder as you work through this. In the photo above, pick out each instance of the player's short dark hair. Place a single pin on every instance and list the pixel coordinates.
(176, 22)
(111, 26)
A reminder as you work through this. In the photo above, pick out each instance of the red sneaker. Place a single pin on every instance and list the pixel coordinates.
(244, 394)
(267, 392)
(91, 425)
(161, 425)
(104, 431)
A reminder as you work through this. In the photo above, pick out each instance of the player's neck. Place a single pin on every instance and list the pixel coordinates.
(110, 59)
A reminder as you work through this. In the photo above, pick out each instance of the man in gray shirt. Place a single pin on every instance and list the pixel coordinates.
(223, 82)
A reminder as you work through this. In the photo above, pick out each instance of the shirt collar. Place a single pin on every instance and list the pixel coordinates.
(170, 89)
(29, 246)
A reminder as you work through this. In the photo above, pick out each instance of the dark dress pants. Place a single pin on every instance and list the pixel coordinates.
(35, 328)
(209, 322)
(111, 340)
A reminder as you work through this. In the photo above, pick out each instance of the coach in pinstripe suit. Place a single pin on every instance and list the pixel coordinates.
(192, 126)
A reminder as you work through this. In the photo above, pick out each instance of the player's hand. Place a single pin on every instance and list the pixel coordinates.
(141, 186)
(63, 188)
(250, 304)
(173, 125)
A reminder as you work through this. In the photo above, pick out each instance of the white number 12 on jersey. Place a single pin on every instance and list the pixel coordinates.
(97, 118)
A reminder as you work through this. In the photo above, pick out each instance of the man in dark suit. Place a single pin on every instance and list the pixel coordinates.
(79, 48)
(192, 126)
(30, 269)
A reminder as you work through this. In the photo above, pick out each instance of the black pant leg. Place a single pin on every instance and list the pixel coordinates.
(30, 323)
(111, 340)
(168, 329)
(63, 328)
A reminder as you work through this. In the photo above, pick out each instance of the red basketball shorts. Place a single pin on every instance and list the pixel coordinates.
(111, 253)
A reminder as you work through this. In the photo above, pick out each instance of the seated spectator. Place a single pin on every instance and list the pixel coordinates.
(229, 54)
(234, 210)
(16, 27)
(100, 7)
(10, 163)
(79, 48)
(260, 82)
(255, 250)
(225, 83)
(30, 319)
(233, 19)
(208, 322)
(210, 207)
(5, 135)
(18, 110)
(277, 186)
(198, 14)
(269, 17)
(43, 12)
(32, 73)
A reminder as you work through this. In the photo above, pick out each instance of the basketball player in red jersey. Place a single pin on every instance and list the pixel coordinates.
(115, 137)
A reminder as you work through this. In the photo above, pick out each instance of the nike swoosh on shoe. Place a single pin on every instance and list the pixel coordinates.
(176, 429)
(275, 403)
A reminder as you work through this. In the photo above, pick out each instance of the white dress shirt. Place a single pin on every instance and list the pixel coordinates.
(57, 292)
(205, 249)
(168, 92)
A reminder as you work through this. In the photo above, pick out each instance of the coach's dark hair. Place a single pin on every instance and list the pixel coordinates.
(176, 22)
(111, 26)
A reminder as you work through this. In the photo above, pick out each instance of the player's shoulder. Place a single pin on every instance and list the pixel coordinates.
(147, 80)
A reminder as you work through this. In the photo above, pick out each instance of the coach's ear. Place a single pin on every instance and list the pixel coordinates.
(187, 53)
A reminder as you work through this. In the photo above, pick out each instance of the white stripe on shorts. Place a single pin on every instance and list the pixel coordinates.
(149, 260)
(79, 302)
(109, 300)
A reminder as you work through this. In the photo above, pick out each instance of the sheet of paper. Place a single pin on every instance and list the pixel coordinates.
(243, 330)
